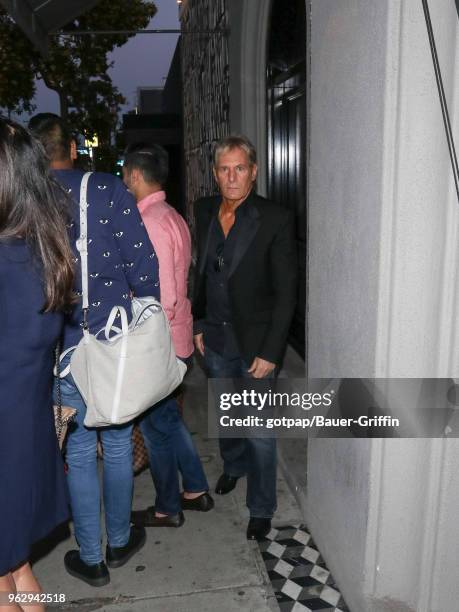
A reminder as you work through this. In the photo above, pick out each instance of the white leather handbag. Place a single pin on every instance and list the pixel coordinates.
(133, 366)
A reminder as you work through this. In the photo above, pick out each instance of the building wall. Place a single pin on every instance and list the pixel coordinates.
(205, 73)
(383, 292)
(346, 131)
(172, 98)
(150, 100)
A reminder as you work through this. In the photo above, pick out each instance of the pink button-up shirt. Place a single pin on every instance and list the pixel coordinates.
(170, 236)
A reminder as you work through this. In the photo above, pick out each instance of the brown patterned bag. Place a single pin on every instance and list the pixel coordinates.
(63, 415)
(139, 452)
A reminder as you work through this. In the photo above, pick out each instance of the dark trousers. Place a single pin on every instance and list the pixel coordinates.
(251, 457)
(171, 448)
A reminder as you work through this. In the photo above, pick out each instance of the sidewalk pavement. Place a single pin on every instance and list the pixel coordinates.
(206, 565)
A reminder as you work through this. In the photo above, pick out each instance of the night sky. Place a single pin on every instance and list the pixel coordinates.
(143, 61)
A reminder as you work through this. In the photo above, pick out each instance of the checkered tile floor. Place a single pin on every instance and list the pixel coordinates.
(299, 576)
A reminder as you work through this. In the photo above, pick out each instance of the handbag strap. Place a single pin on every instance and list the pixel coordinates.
(58, 371)
(153, 305)
(111, 319)
(82, 246)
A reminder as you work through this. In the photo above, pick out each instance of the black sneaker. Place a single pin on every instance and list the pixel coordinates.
(118, 556)
(95, 575)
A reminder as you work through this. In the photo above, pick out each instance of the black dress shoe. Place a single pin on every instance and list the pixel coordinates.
(258, 528)
(119, 555)
(96, 575)
(225, 484)
(147, 518)
(203, 503)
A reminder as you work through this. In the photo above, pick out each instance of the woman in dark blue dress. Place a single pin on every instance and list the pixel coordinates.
(35, 285)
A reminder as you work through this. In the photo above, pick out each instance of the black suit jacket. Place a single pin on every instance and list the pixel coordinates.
(262, 277)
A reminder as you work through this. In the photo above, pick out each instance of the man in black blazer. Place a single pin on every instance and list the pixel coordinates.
(244, 298)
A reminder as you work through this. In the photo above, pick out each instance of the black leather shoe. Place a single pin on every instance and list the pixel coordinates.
(203, 503)
(96, 575)
(147, 518)
(258, 528)
(225, 484)
(119, 555)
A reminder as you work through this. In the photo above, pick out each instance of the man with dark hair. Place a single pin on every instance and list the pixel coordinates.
(151, 159)
(168, 441)
(54, 136)
(244, 298)
(121, 262)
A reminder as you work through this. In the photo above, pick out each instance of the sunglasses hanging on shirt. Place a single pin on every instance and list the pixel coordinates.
(219, 260)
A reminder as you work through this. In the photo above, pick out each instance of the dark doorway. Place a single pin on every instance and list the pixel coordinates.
(286, 81)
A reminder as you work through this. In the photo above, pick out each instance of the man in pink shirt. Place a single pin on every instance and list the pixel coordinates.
(168, 442)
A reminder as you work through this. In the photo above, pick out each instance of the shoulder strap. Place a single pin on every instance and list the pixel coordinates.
(82, 244)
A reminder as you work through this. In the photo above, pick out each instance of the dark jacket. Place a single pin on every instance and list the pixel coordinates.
(262, 277)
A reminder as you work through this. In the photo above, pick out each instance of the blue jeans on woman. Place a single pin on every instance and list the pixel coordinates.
(252, 457)
(83, 478)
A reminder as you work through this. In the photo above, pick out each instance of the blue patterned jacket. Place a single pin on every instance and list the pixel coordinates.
(121, 258)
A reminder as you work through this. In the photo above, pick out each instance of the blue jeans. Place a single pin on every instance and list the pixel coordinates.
(83, 478)
(252, 457)
(170, 448)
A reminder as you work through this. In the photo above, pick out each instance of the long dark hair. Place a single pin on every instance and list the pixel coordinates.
(34, 207)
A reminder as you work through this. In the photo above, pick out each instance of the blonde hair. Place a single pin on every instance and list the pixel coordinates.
(235, 141)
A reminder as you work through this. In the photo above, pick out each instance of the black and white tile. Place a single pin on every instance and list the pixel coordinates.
(298, 574)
